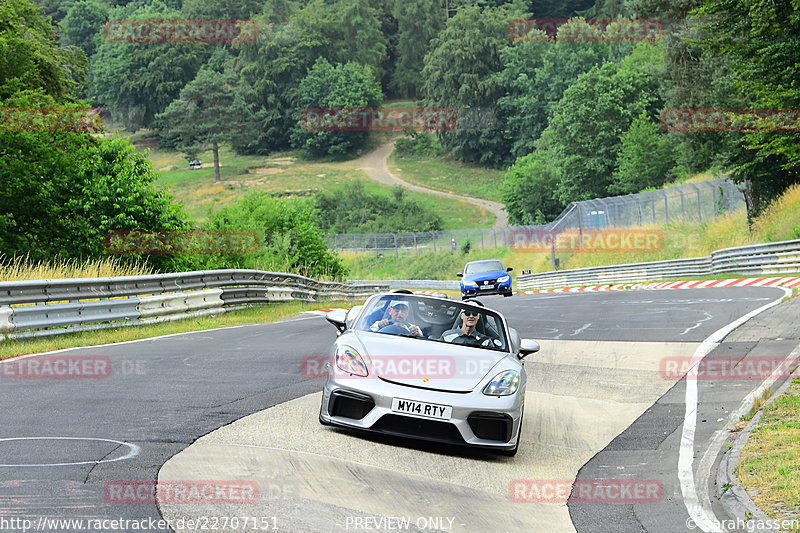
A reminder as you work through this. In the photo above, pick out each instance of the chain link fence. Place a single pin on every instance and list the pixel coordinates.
(686, 203)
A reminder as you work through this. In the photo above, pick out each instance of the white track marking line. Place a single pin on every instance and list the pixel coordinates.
(134, 451)
(701, 512)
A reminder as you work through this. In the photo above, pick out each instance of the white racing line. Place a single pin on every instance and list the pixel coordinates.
(699, 506)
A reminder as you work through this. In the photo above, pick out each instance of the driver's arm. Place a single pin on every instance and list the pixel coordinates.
(379, 324)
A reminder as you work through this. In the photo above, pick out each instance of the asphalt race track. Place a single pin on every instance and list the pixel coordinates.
(597, 403)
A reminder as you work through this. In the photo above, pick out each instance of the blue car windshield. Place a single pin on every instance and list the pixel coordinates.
(436, 319)
(479, 268)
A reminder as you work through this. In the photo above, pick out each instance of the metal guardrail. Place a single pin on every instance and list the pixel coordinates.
(34, 308)
(771, 258)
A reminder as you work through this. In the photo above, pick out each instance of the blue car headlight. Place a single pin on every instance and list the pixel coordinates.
(503, 279)
(347, 359)
(503, 384)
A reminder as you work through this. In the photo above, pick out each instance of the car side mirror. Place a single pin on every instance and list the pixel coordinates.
(509, 269)
(460, 274)
(527, 347)
(338, 318)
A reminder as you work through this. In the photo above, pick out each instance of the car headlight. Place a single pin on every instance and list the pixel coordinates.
(503, 279)
(469, 283)
(347, 359)
(503, 384)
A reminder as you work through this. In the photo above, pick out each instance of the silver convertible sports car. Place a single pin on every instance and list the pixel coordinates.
(429, 368)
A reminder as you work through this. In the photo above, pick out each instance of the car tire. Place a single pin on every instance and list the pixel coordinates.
(507, 294)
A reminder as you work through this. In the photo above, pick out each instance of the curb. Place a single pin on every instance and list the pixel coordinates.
(735, 500)
(692, 284)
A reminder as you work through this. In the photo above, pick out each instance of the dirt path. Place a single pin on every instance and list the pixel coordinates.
(374, 164)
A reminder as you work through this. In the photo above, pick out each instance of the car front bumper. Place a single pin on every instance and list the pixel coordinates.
(477, 420)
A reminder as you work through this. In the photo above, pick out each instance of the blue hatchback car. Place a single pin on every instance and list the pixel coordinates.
(487, 276)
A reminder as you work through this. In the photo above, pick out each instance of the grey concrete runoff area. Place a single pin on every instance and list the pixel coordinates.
(231, 406)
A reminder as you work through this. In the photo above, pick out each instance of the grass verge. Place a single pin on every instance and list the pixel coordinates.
(21, 268)
(448, 175)
(769, 465)
(243, 317)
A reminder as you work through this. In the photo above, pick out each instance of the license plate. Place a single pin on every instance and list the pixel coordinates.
(425, 410)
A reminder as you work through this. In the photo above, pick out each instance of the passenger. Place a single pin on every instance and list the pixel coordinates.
(466, 334)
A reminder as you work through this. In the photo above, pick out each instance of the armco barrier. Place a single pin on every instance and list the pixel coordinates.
(34, 308)
(771, 258)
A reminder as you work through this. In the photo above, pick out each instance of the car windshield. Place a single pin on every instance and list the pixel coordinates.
(435, 319)
(488, 266)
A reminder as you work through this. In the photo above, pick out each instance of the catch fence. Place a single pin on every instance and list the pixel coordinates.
(685, 203)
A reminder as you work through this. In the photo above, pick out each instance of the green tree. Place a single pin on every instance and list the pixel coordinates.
(459, 74)
(205, 114)
(760, 39)
(30, 60)
(83, 24)
(136, 81)
(535, 75)
(359, 38)
(529, 188)
(62, 192)
(222, 9)
(645, 159)
(418, 23)
(291, 239)
(593, 115)
(329, 87)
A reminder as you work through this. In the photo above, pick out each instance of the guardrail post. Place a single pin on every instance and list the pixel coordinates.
(666, 206)
(415, 242)
(482, 246)
(683, 210)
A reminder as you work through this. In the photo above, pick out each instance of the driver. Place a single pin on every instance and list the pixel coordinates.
(398, 313)
(466, 334)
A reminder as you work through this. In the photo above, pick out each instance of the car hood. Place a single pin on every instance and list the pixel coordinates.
(494, 274)
(427, 364)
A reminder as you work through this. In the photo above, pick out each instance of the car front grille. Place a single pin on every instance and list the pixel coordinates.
(407, 426)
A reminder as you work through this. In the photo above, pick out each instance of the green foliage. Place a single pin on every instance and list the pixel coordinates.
(291, 238)
(291, 40)
(61, 193)
(589, 121)
(536, 74)
(459, 74)
(203, 115)
(645, 159)
(83, 24)
(760, 42)
(419, 144)
(30, 60)
(203, 9)
(529, 189)
(136, 81)
(418, 23)
(353, 209)
(466, 246)
(328, 87)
